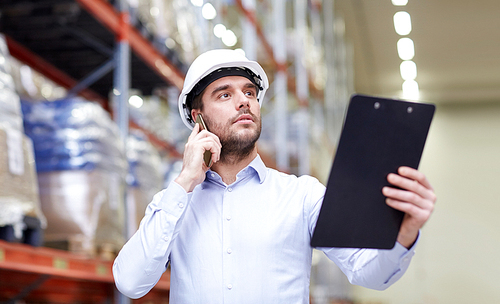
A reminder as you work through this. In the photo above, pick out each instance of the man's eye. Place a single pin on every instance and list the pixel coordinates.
(225, 95)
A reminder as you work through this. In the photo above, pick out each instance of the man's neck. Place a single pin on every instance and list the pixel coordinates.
(231, 166)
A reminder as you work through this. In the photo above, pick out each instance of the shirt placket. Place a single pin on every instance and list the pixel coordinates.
(227, 250)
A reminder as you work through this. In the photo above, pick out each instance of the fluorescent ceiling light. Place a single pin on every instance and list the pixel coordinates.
(406, 49)
(411, 90)
(219, 30)
(229, 38)
(408, 70)
(154, 11)
(136, 101)
(197, 3)
(208, 11)
(399, 2)
(402, 23)
(170, 43)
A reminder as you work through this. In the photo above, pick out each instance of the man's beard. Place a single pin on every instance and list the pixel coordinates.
(234, 147)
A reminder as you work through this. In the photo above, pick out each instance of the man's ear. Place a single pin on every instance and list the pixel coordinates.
(194, 113)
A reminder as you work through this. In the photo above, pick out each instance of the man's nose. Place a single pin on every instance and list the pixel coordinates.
(243, 101)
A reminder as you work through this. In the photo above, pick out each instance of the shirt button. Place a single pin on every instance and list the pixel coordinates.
(229, 250)
(229, 189)
(229, 286)
(165, 238)
(212, 174)
(228, 218)
(181, 205)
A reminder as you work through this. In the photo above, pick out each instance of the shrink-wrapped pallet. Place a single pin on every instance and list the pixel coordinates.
(19, 188)
(10, 107)
(84, 209)
(20, 215)
(81, 168)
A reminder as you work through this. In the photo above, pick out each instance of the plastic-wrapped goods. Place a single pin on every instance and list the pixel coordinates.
(84, 209)
(19, 188)
(73, 134)
(144, 178)
(10, 108)
(82, 168)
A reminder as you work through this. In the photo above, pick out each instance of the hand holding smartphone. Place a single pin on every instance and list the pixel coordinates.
(207, 156)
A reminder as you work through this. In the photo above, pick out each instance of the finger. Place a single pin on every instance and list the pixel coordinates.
(212, 144)
(415, 175)
(407, 197)
(205, 134)
(208, 134)
(215, 150)
(194, 132)
(419, 214)
(411, 185)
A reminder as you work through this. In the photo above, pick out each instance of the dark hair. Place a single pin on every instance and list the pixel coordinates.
(197, 103)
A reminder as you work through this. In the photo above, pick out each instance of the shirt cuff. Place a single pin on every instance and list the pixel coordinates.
(400, 254)
(175, 199)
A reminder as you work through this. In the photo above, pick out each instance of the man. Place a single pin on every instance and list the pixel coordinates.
(239, 232)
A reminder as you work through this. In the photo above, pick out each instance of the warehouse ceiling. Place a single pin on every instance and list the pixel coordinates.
(457, 47)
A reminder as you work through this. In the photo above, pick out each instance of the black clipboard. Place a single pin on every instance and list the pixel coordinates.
(379, 136)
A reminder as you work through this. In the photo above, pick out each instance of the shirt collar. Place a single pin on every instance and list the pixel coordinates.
(256, 165)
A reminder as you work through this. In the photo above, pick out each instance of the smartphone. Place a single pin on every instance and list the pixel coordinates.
(207, 156)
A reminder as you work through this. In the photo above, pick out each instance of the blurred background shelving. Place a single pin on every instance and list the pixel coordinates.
(83, 150)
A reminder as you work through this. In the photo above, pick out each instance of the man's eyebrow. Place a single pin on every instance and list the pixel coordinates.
(220, 88)
(251, 85)
(227, 86)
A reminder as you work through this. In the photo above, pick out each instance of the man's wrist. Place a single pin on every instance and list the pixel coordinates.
(407, 239)
(186, 183)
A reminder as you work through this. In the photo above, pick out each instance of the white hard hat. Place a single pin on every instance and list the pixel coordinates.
(217, 64)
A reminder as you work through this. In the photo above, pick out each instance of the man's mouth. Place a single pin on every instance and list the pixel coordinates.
(244, 118)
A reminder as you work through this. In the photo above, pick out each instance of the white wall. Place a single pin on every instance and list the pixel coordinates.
(458, 259)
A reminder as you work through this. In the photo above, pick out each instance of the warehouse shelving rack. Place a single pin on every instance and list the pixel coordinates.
(45, 275)
(72, 43)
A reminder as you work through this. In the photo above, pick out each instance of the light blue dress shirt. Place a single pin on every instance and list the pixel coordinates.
(247, 242)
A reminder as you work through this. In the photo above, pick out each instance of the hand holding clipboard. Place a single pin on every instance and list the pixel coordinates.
(379, 136)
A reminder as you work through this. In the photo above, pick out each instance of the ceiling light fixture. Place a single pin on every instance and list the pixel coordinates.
(399, 2)
(219, 30)
(208, 11)
(402, 23)
(136, 101)
(154, 11)
(410, 90)
(408, 70)
(406, 49)
(197, 3)
(229, 38)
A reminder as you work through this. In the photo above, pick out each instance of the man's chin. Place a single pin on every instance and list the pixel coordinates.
(247, 133)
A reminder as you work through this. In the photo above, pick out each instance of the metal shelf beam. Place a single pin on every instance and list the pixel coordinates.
(50, 271)
(118, 25)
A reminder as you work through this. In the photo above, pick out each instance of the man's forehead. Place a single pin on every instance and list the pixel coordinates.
(233, 79)
(231, 82)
